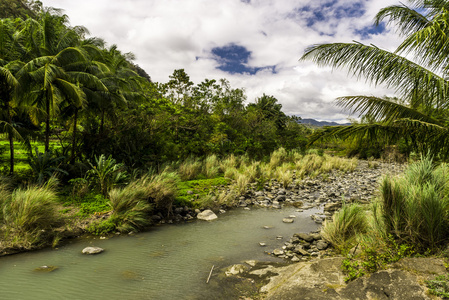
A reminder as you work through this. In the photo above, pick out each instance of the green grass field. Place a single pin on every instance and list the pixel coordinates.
(20, 154)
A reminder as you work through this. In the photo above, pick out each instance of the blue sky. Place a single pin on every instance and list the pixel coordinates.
(255, 44)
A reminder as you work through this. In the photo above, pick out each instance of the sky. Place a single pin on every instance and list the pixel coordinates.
(255, 44)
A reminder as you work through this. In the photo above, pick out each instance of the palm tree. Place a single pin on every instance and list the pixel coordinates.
(422, 112)
(10, 50)
(58, 67)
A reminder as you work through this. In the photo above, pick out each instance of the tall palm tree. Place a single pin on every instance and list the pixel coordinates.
(58, 66)
(420, 83)
(11, 50)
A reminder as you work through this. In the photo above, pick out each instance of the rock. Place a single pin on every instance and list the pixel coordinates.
(235, 270)
(292, 216)
(301, 251)
(322, 245)
(46, 269)
(280, 198)
(304, 236)
(267, 227)
(207, 215)
(287, 220)
(178, 210)
(92, 250)
(251, 263)
(222, 211)
(295, 258)
(278, 252)
(262, 244)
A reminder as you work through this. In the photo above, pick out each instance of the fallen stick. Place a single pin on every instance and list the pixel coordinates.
(207, 281)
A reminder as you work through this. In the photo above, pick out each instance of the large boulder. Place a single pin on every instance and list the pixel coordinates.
(207, 215)
(92, 250)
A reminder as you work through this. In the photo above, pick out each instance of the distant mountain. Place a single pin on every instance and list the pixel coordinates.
(314, 122)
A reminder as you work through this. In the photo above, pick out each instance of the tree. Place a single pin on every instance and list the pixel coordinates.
(421, 84)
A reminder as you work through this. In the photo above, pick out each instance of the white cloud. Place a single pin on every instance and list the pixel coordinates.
(171, 34)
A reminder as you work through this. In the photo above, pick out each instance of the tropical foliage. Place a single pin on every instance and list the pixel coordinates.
(417, 71)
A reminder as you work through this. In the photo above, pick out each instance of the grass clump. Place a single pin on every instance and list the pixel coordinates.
(411, 215)
(415, 207)
(130, 206)
(29, 215)
(189, 168)
(346, 225)
(211, 166)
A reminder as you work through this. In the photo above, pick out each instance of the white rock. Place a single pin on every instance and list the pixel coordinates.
(287, 220)
(207, 215)
(92, 250)
(235, 270)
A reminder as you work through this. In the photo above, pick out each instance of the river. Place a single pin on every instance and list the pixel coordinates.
(168, 262)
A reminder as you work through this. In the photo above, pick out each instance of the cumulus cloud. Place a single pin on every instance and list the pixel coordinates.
(174, 34)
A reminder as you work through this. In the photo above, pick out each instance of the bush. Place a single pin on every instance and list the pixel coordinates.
(106, 173)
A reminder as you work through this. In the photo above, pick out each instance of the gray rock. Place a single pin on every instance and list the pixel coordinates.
(278, 252)
(207, 215)
(304, 236)
(235, 270)
(92, 250)
(322, 245)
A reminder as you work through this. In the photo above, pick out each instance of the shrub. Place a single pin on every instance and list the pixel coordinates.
(106, 173)
(45, 165)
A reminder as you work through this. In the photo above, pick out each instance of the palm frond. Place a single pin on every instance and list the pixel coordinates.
(407, 19)
(411, 81)
(382, 109)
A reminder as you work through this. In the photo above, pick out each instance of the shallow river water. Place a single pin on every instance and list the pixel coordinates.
(167, 262)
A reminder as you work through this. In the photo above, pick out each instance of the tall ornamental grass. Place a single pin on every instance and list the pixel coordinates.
(190, 168)
(415, 207)
(130, 206)
(347, 223)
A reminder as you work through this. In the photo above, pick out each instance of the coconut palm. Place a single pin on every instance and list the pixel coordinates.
(11, 49)
(420, 82)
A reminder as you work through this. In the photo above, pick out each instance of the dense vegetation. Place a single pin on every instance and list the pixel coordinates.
(58, 86)
(102, 140)
(411, 213)
(83, 115)
(417, 117)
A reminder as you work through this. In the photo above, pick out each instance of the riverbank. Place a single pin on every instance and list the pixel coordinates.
(324, 190)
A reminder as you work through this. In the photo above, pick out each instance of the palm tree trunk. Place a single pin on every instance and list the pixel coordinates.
(47, 125)
(47, 128)
(72, 159)
(11, 142)
(11, 154)
(102, 122)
